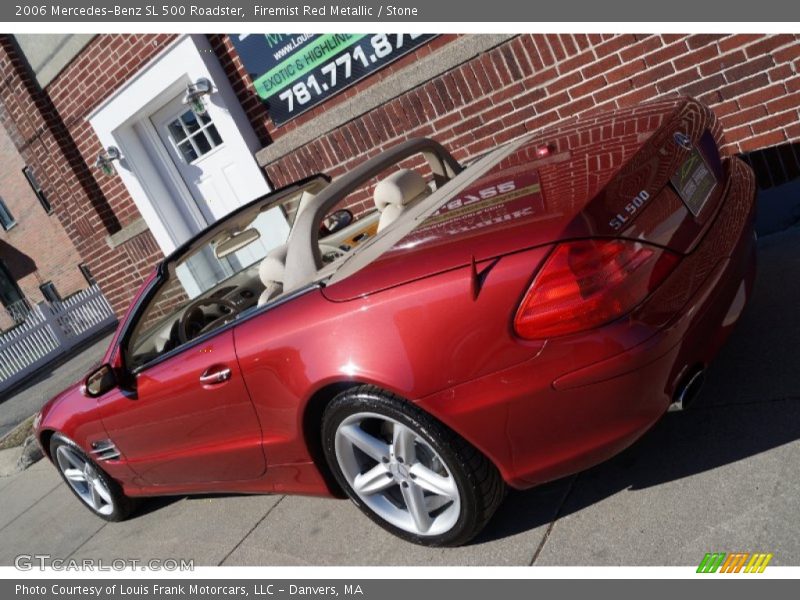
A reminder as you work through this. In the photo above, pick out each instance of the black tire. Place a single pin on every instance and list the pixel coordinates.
(479, 484)
(121, 505)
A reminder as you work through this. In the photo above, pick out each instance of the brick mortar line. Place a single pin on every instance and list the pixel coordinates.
(720, 54)
(671, 61)
(459, 111)
(767, 117)
(777, 81)
(656, 97)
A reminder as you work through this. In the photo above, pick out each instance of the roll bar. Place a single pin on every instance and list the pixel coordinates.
(303, 258)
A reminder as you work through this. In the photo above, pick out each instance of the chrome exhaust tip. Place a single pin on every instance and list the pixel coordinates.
(688, 390)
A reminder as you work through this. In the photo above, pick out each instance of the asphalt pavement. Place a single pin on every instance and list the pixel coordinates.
(21, 402)
(721, 476)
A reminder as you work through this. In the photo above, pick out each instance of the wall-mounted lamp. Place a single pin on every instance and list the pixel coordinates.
(194, 95)
(105, 160)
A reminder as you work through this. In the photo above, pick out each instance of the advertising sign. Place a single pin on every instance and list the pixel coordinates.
(293, 72)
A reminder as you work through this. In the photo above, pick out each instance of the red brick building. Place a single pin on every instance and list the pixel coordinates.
(38, 261)
(176, 173)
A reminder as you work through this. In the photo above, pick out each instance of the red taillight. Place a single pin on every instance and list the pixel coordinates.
(588, 283)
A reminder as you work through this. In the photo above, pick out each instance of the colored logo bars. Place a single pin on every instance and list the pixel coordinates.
(734, 562)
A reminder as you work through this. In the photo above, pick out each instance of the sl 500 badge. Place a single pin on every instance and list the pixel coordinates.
(630, 209)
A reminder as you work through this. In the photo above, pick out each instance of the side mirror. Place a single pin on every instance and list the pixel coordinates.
(100, 381)
(336, 221)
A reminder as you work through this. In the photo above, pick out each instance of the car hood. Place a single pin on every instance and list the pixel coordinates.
(564, 183)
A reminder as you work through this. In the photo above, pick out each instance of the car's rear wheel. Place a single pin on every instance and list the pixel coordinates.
(406, 471)
(98, 492)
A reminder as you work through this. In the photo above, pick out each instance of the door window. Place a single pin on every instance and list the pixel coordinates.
(194, 135)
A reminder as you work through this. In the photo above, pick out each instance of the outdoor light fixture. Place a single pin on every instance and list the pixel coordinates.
(194, 95)
(105, 161)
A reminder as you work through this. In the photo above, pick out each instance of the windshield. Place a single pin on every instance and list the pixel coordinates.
(216, 274)
(233, 267)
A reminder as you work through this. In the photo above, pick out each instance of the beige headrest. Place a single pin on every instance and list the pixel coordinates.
(273, 266)
(399, 188)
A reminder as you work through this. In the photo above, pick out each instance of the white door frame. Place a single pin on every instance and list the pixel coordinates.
(148, 129)
(122, 120)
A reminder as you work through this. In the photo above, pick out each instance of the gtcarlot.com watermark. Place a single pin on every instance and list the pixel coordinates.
(30, 562)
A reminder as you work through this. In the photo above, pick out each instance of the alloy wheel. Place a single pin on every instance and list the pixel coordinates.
(397, 474)
(83, 478)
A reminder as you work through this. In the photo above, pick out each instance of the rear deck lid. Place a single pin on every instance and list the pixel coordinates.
(574, 180)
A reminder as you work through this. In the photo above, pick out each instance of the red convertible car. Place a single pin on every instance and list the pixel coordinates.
(503, 324)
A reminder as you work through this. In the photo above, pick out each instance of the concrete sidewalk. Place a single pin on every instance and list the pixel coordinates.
(719, 477)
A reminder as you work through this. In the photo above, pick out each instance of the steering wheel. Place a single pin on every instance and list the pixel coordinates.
(330, 253)
(191, 323)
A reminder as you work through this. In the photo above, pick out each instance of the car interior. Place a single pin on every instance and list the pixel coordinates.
(208, 285)
(174, 316)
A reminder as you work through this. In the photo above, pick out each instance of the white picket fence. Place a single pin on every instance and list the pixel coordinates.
(51, 330)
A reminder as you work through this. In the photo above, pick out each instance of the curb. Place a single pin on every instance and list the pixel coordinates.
(20, 457)
(17, 459)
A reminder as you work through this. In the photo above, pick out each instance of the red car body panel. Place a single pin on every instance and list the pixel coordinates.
(588, 396)
(596, 166)
(432, 321)
(212, 425)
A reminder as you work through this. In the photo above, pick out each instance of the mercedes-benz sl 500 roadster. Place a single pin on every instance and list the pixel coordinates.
(468, 329)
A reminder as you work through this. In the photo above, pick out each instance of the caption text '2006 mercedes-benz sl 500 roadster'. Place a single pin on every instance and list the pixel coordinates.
(504, 324)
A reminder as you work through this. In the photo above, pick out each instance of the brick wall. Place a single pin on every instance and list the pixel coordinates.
(751, 82)
(36, 249)
(528, 82)
(51, 132)
(105, 64)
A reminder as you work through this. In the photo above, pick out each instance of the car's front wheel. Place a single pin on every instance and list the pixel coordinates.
(406, 471)
(98, 492)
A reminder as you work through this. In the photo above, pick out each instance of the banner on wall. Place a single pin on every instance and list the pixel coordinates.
(293, 72)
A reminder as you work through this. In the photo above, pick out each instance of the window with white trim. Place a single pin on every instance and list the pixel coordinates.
(194, 135)
(6, 219)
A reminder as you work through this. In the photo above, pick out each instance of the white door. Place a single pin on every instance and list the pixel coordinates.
(207, 163)
(214, 165)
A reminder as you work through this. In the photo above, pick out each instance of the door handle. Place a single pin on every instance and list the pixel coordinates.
(214, 376)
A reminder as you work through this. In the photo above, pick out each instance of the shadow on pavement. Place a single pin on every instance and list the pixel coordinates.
(152, 504)
(148, 505)
(49, 369)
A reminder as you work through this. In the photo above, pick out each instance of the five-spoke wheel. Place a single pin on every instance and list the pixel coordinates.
(84, 480)
(397, 474)
(406, 471)
(101, 494)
